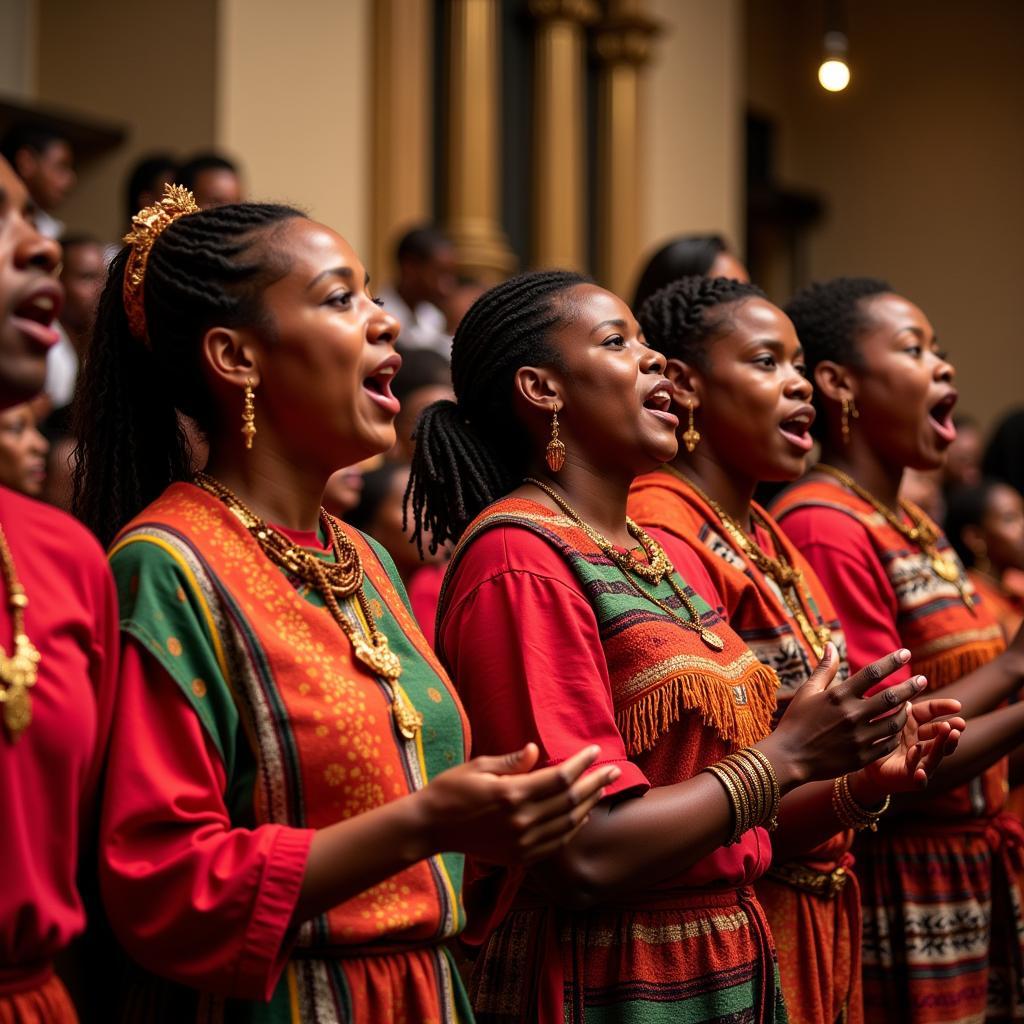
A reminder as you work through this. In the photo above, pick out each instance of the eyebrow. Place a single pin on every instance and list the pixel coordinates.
(620, 324)
(342, 272)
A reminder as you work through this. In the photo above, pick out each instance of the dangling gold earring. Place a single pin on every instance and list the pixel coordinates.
(691, 436)
(849, 413)
(249, 414)
(555, 453)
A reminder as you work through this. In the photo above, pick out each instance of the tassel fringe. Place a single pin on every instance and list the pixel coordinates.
(645, 720)
(943, 669)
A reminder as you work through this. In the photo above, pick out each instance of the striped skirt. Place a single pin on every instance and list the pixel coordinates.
(697, 958)
(943, 927)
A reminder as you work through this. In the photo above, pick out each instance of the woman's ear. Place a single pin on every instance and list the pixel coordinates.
(539, 388)
(834, 381)
(230, 356)
(685, 383)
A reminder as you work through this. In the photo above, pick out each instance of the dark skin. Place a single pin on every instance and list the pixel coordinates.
(998, 540)
(83, 274)
(326, 363)
(613, 402)
(751, 400)
(902, 384)
(30, 297)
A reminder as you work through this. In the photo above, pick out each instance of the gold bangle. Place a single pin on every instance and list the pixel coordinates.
(771, 781)
(852, 814)
(734, 798)
(756, 787)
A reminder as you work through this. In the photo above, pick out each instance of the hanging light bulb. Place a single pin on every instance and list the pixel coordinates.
(834, 72)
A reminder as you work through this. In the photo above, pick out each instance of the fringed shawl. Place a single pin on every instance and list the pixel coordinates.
(946, 638)
(658, 669)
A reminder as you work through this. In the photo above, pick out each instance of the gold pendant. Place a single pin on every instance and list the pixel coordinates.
(378, 657)
(713, 640)
(691, 438)
(408, 720)
(17, 709)
(945, 568)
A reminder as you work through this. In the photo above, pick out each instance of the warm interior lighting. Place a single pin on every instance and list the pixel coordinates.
(834, 74)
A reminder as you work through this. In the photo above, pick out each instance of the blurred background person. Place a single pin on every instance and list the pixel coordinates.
(1004, 456)
(963, 457)
(426, 280)
(380, 513)
(45, 162)
(985, 524)
(688, 256)
(23, 451)
(213, 179)
(425, 377)
(83, 272)
(146, 180)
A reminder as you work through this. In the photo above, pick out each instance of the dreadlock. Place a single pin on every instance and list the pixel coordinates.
(828, 316)
(680, 318)
(205, 269)
(472, 451)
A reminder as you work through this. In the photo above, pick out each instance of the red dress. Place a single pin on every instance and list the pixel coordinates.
(50, 773)
(523, 644)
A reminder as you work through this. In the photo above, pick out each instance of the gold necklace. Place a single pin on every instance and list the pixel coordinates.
(19, 672)
(789, 578)
(921, 533)
(341, 579)
(654, 571)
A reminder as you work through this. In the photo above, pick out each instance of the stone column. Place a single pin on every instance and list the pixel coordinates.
(559, 235)
(622, 43)
(403, 48)
(473, 193)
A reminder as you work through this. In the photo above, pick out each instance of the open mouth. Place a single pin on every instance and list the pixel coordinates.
(34, 315)
(659, 402)
(378, 385)
(797, 429)
(940, 416)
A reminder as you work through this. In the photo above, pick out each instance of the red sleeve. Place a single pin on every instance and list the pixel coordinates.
(522, 645)
(842, 555)
(190, 896)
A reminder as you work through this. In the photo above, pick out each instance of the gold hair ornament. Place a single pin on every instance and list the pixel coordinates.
(147, 226)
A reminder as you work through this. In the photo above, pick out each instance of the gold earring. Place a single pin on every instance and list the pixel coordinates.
(849, 413)
(555, 453)
(691, 436)
(249, 414)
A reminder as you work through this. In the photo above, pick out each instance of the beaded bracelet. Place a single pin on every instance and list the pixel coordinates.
(850, 812)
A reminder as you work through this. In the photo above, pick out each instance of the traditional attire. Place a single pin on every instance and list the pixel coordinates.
(245, 724)
(1007, 606)
(812, 903)
(547, 641)
(943, 929)
(50, 773)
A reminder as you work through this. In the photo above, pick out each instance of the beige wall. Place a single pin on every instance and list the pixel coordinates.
(148, 66)
(921, 163)
(17, 48)
(293, 103)
(692, 122)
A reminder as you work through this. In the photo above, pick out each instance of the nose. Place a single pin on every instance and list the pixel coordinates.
(944, 370)
(651, 361)
(799, 386)
(35, 250)
(383, 328)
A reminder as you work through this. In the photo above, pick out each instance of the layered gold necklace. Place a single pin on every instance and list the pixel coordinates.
(333, 581)
(654, 570)
(20, 670)
(789, 579)
(919, 532)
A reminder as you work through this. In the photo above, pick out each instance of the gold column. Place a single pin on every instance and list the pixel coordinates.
(403, 45)
(622, 43)
(558, 136)
(473, 140)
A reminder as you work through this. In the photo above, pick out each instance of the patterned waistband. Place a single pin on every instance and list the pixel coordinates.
(826, 884)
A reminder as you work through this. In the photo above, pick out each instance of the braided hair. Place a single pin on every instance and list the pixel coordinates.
(206, 269)
(681, 318)
(828, 316)
(472, 451)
